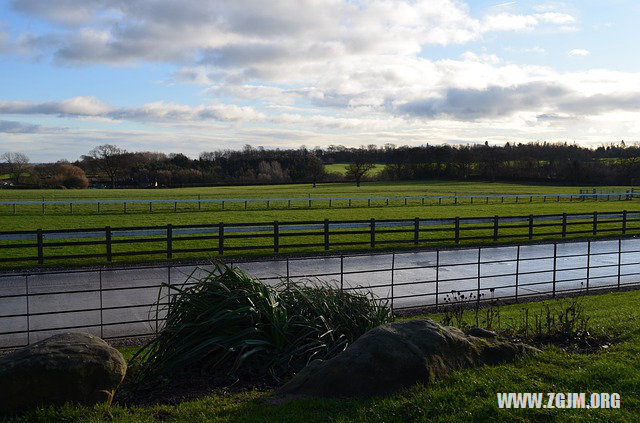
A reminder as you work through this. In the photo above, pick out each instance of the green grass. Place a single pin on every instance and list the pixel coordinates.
(341, 169)
(58, 217)
(467, 395)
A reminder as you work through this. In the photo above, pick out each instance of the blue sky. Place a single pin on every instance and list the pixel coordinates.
(195, 75)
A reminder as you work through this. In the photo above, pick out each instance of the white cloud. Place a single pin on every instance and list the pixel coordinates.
(579, 52)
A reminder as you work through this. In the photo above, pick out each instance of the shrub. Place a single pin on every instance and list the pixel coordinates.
(232, 324)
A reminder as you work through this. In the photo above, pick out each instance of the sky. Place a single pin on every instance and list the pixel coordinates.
(194, 75)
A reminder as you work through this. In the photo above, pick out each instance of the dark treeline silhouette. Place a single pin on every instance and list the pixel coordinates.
(560, 163)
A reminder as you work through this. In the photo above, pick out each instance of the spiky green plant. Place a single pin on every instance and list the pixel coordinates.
(229, 323)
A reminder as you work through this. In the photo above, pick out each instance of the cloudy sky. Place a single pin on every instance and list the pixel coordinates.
(195, 75)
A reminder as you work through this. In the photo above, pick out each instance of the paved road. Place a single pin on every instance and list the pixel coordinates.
(128, 295)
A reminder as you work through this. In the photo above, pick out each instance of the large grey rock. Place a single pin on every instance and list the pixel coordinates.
(70, 367)
(398, 355)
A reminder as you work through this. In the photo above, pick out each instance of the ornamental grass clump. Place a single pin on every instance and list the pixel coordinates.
(229, 323)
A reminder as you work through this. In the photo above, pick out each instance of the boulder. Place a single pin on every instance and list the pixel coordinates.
(69, 367)
(398, 355)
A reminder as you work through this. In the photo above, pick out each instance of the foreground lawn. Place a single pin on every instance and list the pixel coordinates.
(468, 395)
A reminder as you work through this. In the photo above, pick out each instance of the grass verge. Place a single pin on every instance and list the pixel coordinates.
(468, 395)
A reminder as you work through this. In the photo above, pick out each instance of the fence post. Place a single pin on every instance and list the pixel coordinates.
(98, 207)
(169, 241)
(221, 238)
(619, 259)
(150, 207)
(101, 307)
(40, 247)
(478, 294)
(457, 230)
(124, 204)
(70, 208)
(14, 208)
(517, 270)
(564, 225)
(341, 272)
(326, 234)
(437, 276)
(199, 205)
(393, 265)
(416, 231)
(26, 291)
(588, 263)
(624, 222)
(595, 223)
(43, 204)
(495, 228)
(373, 233)
(107, 239)
(175, 206)
(530, 227)
(555, 266)
(276, 236)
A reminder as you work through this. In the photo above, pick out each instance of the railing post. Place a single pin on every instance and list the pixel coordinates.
(416, 231)
(624, 222)
(101, 307)
(437, 276)
(595, 223)
(288, 273)
(107, 239)
(40, 246)
(393, 265)
(276, 236)
(326, 234)
(26, 291)
(530, 227)
(588, 263)
(478, 294)
(341, 272)
(495, 228)
(564, 225)
(517, 270)
(457, 230)
(619, 259)
(555, 266)
(373, 233)
(221, 238)
(169, 241)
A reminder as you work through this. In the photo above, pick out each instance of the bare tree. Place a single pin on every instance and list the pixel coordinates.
(17, 164)
(109, 159)
(359, 167)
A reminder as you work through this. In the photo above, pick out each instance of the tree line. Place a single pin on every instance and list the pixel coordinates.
(110, 166)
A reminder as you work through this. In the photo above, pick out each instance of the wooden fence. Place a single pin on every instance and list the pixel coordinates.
(201, 241)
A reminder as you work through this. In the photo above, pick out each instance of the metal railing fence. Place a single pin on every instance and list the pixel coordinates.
(120, 301)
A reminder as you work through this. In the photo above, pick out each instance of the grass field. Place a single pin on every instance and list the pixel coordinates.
(464, 396)
(86, 216)
(341, 169)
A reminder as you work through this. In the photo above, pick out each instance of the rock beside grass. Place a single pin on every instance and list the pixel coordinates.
(398, 355)
(69, 367)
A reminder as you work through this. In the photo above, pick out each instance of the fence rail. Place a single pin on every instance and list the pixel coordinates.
(172, 241)
(120, 301)
(324, 202)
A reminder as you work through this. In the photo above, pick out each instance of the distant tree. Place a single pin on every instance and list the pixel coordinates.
(315, 168)
(360, 165)
(71, 176)
(109, 159)
(17, 164)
